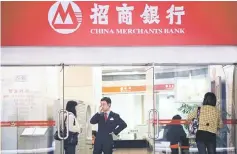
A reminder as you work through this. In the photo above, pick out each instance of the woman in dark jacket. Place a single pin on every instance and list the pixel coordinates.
(175, 135)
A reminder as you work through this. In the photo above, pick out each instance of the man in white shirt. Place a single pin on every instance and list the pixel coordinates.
(109, 123)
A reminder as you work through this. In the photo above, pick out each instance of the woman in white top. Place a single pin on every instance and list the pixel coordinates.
(74, 128)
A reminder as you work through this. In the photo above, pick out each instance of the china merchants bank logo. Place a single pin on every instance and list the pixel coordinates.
(65, 17)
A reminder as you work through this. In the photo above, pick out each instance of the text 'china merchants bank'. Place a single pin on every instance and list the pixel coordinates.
(149, 16)
(138, 31)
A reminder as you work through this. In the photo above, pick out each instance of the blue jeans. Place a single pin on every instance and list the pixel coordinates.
(70, 149)
(206, 147)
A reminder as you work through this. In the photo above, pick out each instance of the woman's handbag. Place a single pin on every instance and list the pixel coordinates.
(63, 132)
(72, 137)
(193, 126)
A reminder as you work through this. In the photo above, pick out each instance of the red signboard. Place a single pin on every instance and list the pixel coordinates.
(164, 87)
(118, 23)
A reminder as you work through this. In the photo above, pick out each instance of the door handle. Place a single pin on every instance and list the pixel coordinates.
(157, 124)
(61, 126)
(149, 125)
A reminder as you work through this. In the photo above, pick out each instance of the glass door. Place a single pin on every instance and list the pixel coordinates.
(152, 113)
(180, 90)
(234, 116)
(61, 113)
(30, 96)
(132, 96)
(76, 87)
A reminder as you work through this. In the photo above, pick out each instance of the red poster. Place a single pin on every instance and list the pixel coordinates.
(118, 23)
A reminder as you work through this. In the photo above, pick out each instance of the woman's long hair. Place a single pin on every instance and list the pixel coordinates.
(209, 99)
(71, 107)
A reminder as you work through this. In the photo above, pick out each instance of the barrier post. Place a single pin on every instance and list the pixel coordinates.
(179, 147)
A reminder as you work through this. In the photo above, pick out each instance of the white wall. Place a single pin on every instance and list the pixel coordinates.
(168, 105)
(128, 106)
(119, 55)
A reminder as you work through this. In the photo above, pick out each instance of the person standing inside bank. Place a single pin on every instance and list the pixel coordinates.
(109, 123)
(74, 128)
(210, 122)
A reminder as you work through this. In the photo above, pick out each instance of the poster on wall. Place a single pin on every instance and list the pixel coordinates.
(22, 95)
(128, 23)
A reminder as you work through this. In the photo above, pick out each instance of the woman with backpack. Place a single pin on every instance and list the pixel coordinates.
(209, 121)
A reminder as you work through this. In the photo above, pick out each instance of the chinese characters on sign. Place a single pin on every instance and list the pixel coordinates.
(18, 95)
(175, 11)
(125, 14)
(150, 14)
(100, 14)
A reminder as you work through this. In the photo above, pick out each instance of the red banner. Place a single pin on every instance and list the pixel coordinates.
(118, 23)
(27, 123)
(163, 87)
(175, 122)
(52, 123)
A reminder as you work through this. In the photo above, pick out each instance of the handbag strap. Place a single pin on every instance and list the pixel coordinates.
(198, 113)
(64, 122)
